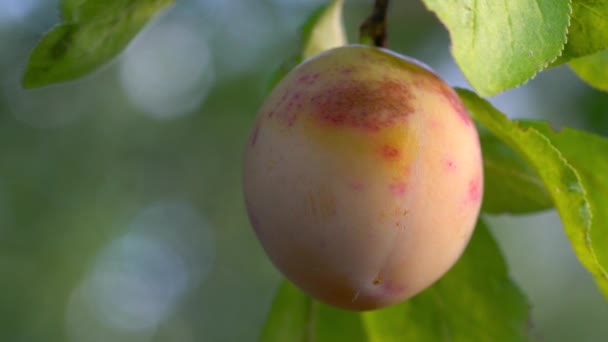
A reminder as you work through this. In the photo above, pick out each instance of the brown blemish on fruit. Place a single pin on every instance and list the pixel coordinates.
(347, 71)
(357, 186)
(377, 281)
(397, 188)
(389, 152)
(450, 95)
(366, 105)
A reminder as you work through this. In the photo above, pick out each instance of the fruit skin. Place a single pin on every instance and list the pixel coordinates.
(363, 177)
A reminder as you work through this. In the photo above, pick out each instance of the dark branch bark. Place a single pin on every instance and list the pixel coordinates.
(373, 30)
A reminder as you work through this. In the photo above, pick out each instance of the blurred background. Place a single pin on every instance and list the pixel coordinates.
(121, 215)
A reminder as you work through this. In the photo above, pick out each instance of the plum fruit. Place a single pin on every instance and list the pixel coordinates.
(363, 177)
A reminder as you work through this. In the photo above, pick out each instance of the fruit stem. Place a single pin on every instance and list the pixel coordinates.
(373, 29)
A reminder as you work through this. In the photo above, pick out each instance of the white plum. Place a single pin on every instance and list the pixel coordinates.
(363, 177)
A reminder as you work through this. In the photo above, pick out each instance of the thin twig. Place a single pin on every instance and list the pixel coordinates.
(373, 29)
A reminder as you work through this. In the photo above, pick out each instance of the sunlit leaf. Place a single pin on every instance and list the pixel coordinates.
(501, 44)
(323, 30)
(94, 32)
(568, 189)
(70, 8)
(294, 316)
(588, 154)
(291, 314)
(510, 184)
(593, 69)
(588, 31)
(474, 301)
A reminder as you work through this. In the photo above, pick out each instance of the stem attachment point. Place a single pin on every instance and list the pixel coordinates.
(373, 29)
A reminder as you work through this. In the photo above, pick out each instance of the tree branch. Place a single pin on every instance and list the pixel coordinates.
(373, 29)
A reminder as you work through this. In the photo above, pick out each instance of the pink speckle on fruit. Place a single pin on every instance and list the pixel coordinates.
(450, 165)
(475, 190)
(392, 289)
(389, 152)
(308, 79)
(398, 188)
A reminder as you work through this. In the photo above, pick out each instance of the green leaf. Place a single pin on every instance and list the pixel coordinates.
(474, 301)
(588, 154)
(323, 30)
(593, 69)
(94, 32)
(291, 315)
(588, 32)
(564, 182)
(294, 316)
(510, 184)
(502, 44)
(69, 9)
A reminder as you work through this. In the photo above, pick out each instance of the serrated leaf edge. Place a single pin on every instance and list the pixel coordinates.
(548, 63)
(593, 265)
(586, 207)
(542, 67)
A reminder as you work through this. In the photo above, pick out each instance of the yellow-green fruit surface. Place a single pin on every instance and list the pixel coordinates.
(363, 177)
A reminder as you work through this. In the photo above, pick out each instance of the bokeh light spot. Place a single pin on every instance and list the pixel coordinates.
(137, 280)
(16, 10)
(167, 70)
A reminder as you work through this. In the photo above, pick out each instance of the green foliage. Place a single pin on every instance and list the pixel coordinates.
(93, 32)
(528, 167)
(588, 31)
(587, 153)
(322, 31)
(510, 184)
(461, 306)
(593, 69)
(291, 315)
(498, 45)
(295, 316)
(570, 191)
(501, 44)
